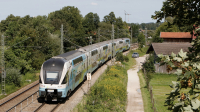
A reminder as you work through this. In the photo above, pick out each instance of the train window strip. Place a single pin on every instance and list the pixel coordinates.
(120, 42)
(114, 44)
(78, 60)
(94, 52)
(105, 47)
(127, 40)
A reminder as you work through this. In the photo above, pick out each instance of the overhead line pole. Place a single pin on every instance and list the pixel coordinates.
(61, 46)
(112, 61)
(3, 74)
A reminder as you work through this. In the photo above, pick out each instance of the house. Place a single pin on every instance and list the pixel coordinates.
(176, 36)
(166, 49)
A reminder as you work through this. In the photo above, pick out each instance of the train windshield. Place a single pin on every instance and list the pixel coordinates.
(52, 77)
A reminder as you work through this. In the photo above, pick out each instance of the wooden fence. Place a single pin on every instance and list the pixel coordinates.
(150, 88)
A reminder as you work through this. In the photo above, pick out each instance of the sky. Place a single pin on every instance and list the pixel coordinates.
(140, 10)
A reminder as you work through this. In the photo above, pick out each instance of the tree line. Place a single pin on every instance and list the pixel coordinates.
(42, 35)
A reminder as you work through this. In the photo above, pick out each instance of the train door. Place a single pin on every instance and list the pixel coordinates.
(94, 58)
(77, 70)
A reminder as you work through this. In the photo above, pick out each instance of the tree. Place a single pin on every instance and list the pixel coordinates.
(90, 22)
(164, 27)
(184, 12)
(141, 40)
(110, 18)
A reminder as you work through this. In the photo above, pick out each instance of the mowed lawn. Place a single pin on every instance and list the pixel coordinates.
(160, 84)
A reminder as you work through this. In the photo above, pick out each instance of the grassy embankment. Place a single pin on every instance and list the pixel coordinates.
(109, 93)
(143, 51)
(11, 88)
(145, 93)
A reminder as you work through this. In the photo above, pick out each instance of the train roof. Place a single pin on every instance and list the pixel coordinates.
(75, 53)
(69, 55)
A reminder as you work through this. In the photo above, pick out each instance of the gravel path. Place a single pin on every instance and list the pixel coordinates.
(135, 102)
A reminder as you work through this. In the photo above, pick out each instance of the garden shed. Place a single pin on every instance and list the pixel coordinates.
(166, 49)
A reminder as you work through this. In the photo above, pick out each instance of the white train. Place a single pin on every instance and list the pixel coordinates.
(63, 73)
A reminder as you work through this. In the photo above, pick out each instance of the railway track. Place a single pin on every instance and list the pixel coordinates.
(8, 104)
(47, 107)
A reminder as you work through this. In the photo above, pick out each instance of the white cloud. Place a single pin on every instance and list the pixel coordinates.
(94, 3)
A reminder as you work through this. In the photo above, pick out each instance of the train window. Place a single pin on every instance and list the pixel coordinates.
(127, 40)
(94, 52)
(64, 80)
(52, 77)
(120, 42)
(114, 44)
(40, 81)
(78, 60)
(105, 47)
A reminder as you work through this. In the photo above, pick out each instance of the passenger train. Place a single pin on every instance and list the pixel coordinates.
(63, 73)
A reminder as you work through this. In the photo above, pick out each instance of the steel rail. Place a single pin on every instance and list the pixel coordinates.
(18, 94)
(21, 102)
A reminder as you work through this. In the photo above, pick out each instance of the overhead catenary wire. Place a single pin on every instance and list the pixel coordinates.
(72, 43)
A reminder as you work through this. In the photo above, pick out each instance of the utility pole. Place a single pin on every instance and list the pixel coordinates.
(61, 46)
(131, 35)
(3, 73)
(89, 74)
(99, 34)
(112, 61)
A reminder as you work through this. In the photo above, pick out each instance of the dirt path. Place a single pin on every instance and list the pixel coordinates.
(135, 102)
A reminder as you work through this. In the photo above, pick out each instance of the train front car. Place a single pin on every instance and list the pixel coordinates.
(53, 79)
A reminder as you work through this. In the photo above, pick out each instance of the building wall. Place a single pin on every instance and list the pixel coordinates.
(176, 39)
(162, 69)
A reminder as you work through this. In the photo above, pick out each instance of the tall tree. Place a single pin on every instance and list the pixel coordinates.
(185, 12)
(110, 18)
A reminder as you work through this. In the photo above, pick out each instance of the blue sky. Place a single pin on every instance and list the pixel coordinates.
(140, 10)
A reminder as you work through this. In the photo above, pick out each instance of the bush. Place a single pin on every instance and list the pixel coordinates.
(149, 64)
(13, 76)
(119, 57)
(126, 58)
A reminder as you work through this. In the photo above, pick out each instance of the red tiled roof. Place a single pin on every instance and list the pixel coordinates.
(175, 35)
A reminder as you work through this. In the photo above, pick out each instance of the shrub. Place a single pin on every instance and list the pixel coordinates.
(13, 76)
(149, 64)
(119, 57)
(126, 58)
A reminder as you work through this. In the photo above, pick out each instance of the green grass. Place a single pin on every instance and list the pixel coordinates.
(11, 88)
(160, 83)
(143, 51)
(145, 93)
(109, 93)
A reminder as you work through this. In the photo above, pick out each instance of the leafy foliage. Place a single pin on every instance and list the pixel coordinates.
(119, 57)
(149, 64)
(141, 40)
(187, 72)
(13, 76)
